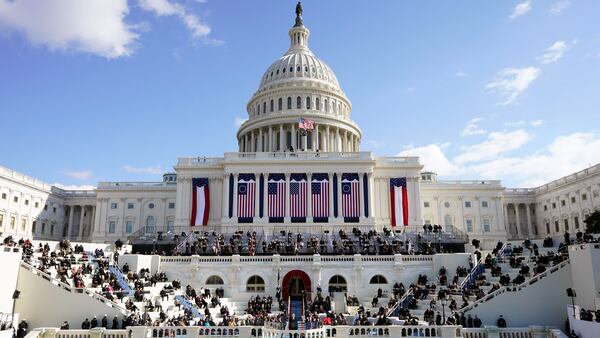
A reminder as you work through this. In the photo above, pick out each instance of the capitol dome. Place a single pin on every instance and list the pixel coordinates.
(298, 86)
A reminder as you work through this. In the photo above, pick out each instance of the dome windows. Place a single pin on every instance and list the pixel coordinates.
(289, 103)
(326, 106)
(298, 102)
(307, 102)
(280, 103)
(298, 69)
(272, 106)
(264, 107)
(318, 104)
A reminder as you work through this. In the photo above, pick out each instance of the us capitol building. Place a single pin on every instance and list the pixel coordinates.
(272, 148)
(299, 169)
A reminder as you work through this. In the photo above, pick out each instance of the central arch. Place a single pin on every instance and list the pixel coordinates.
(287, 280)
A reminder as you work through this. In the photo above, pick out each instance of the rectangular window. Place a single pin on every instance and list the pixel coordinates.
(563, 203)
(584, 197)
(54, 210)
(113, 205)
(576, 220)
(23, 224)
(547, 227)
(43, 228)
(15, 199)
(553, 205)
(484, 204)
(426, 204)
(469, 225)
(51, 229)
(112, 225)
(33, 227)
(556, 226)
(467, 204)
(566, 224)
(26, 202)
(170, 226)
(13, 223)
(46, 207)
(129, 205)
(129, 227)
(37, 204)
(573, 200)
(1, 221)
(171, 205)
(486, 225)
(3, 195)
(545, 207)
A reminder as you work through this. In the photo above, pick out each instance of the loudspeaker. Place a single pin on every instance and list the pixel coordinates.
(16, 294)
(571, 293)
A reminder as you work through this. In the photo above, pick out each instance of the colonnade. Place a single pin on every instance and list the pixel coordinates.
(280, 137)
(524, 218)
(365, 207)
(78, 220)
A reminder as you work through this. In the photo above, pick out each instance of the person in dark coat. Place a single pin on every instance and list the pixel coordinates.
(94, 322)
(86, 324)
(105, 322)
(115, 323)
(65, 325)
(501, 322)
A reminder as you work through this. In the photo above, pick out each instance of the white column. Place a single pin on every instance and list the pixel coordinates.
(337, 140)
(235, 189)
(316, 140)
(225, 197)
(309, 215)
(252, 142)
(330, 177)
(506, 221)
(70, 226)
(141, 215)
(518, 219)
(260, 140)
(294, 138)
(529, 226)
(361, 196)
(270, 139)
(92, 222)
(327, 142)
(281, 139)
(81, 221)
(461, 216)
(287, 218)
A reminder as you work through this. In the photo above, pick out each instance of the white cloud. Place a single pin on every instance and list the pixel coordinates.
(74, 187)
(461, 74)
(472, 128)
(514, 123)
(91, 26)
(433, 158)
(155, 170)
(558, 7)
(512, 82)
(521, 9)
(238, 121)
(565, 155)
(537, 123)
(496, 144)
(554, 52)
(198, 28)
(374, 143)
(78, 175)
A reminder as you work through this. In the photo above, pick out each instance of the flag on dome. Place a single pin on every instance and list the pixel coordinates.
(200, 202)
(276, 200)
(246, 197)
(298, 197)
(398, 201)
(306, 124)
(350, 198)
(320, 197)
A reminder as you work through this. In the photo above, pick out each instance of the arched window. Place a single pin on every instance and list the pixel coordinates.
(326, 105)
(298, 68)
(255, 284)
(214, 280)
(318, 104)
(264, 107)
(289, 103)
(272, 106)
(150, 224)
(280, 104)
(338, 283)
(307, 102)
(298, 102)
(378, 279)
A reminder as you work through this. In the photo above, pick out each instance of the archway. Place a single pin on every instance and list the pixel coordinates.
(294, 282)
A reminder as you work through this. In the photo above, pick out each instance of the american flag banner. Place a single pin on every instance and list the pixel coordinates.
(350, 198)
(276, 194)
(200, 201)
(306, 124)
(398, 201)
(246, 196)
(298, 187)
(320, 197)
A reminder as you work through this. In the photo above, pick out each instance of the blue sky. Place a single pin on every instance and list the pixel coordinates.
(101, 90)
